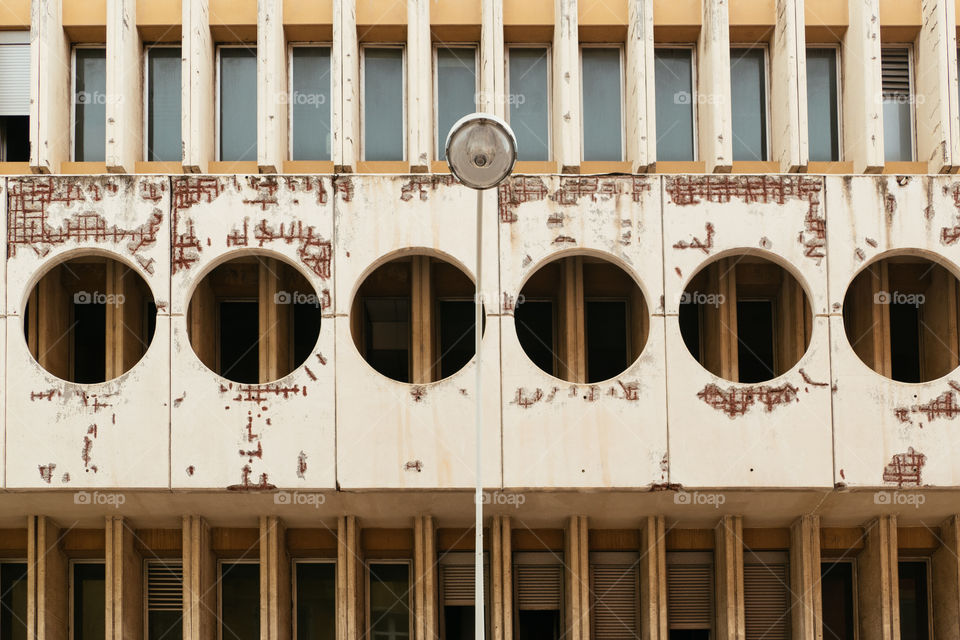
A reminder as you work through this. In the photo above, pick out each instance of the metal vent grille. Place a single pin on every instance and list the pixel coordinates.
(689, 596)
(165, 586)
(615, 601)
(766, 601)
(538, 587)
(896, 72)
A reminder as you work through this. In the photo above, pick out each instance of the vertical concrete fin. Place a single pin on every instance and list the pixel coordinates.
(124, 114)
(501, 588)
(50, 98)
(577, 578)
(653, 579)
(878, 581)
(47, 581)
(640, 86)
(275, 599)
(426, 615)
(946, 580)
(124, 584)
(345, 107)
(199, 581)
(349, 580)
(566, 86)
(938, 113)
(862, 88)
(272, 87)
(713, 87)
(492, 67)
(788, 91)
(197, 115)
(805, 599)
(420, 136)
(728, 552)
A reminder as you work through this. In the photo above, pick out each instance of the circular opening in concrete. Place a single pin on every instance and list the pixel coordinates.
(89, 319)
(254, 319)
(745, 318)
(413, 318)
(582, 319)
(900, 317)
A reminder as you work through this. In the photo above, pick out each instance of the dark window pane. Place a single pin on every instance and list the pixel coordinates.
(383, 83)
(689, 318)
(689, 634)
(238, 104)
(89, 602)
(89, 340)
(311, 103)
(606, 329)
(389, 602)
(674, 94)
(163, 105)
(13, 601)
(836, 587)
(822, 105)
(534, 322)
(239, 340)
(529, 102)
(897, 110)
(90, 100)
(905, 342)
(456, 90)
(240, 601)
(387, 336)
(316, 601)
(914, 616)
(749, 104)
(14, 138)
(755, 340)
(538, 625)
(458, 623)
(602, 124)
(306, 330)
(457, 319)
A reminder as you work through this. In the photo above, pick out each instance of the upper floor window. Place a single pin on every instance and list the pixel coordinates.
(837, 588)
(748, 100)
(690, 595)
(675, 102)
(239, 600)
(315, 596)
(163, 104)
(238, 103)
(13, 600)
(538, 595)
(310, 86)
(615, 591)
(88, 602)
(456, 572)
(528, 100)
(164, 599)
(766, 595)
(14, 96)
(914, 599)
(601, 79)
(89, 104)
(456, 89)
(897, 104)
(383, 102)
(823, 104)
(389, 601)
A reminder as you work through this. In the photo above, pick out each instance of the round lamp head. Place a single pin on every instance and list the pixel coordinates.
(481, 150)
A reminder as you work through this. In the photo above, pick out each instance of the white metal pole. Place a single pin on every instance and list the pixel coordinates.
(478, 496)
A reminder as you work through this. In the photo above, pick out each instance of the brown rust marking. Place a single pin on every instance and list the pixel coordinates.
(178, 401)
(259, 394)
(944, 407)
(631, 390)
(420, 185)
(45, 395)
(871, 242)
(321, 359)
(413, 465)
(697, 243)
(88, 448)
(561, 239)
(93, 400)
(859, 255)
(301, 465)
(343, 187)
(573, 188)
(765, 243)
(679, 273)
(516, 191)
(640, 185)
(310, 374)
(191, 470)
(736, 401)
(313, 250)
(555, 219)
(247, 485)
(46, 471)
(905, 469)
(889, 205)
(808, 380)
(151, 191)
(65, 477)
(527, 399)
(509, 303)
(418, 393)
(950, 235)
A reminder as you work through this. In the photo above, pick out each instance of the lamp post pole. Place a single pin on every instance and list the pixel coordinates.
(478, 493)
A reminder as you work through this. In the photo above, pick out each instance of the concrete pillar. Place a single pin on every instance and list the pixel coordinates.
(350, 580)
(566, 86)
(420, 138)
(862, 88)
(272, 87)
(345, 107)
(48, 609)
(426, 617)
(50, 99)
(788, 89)
(197, 118)
(124, 108)
(576, 579)
(275, 599)
(199, 581)
(878, 580)
(728, 561)
(641, 99)
(493, 75)
(713, 86)
(653, 579)
(501, 587)
(805, 601)
(935, 71)
(946, 580)
(124, 584)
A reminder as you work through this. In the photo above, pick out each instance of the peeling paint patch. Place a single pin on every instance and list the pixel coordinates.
(905, 469)
(517, 191)
(343, 186)
(572, 189)
(46, 471)
(246, 484)
(313, 250)
(696, 243)
(418, 393)
(191, 470)
(301, 465)
(527, 399)
(413, 465)
(420, 185)
(736, 401)
(943, 407)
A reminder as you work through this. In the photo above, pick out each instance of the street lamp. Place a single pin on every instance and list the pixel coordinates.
(481, 150)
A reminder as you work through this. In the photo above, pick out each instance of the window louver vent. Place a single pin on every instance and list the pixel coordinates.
(689, 596)
(896, 72)
(538, 587)
(615, 601)
(457, 582)
(165, 586)
(766, 601)
(14, 79)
